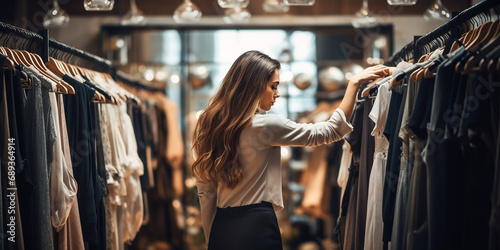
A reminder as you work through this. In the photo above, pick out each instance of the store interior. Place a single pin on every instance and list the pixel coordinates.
(169, 64)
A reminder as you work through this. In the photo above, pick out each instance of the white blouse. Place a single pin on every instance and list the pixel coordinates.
(260, 157)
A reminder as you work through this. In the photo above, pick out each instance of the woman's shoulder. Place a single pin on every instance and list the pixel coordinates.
(268, 121)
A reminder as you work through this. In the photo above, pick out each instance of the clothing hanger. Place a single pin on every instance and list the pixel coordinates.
(125, 95)
(26, 58)
(420, 74)
(22, 59)
(366, 91)
(474, 59)
(484, 62)
(398, 79)
(11, 53)
(9, 64)
(120, 96)
(473, 35)
(423, 58)
(98, 96)
(464, 37)
(428, 71)
(65, 67)
(73, 69)
(103, 87)
(459, 42)
(484, 34)
(54, 68)
(37, 62)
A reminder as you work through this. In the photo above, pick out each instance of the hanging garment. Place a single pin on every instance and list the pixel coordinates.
(14, 102)
(399, 233)
(391, 131)
(374, 222)
(70, 235)
(347, 221)
(35, 202)
(439, 164)
(416, 219)
(12, 238)
(494, 222)
(478, 146)
(365, 166)
(345, 163)
(81, 131)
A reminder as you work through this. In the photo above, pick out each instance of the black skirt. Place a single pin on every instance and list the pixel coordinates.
(245, 228)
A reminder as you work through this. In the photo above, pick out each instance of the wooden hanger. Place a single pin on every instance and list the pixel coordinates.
(467, 38)
(119, 97)
(492, 44)
(366, 90)
(470, 36)
(424, 58)
(428, 71)
(484, 64)
(9, 63)
(37, 62)
(394, 82)
(477, 35)
(456, 44)
(92, 75)
(483, 35)
(18, 57)
(15, 56)
(73, 69)
(99, 98)
(22, 58)
(398, 79)
(64, 66)
(54, 68)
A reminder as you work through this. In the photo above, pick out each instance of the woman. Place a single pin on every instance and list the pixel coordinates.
(237, 149)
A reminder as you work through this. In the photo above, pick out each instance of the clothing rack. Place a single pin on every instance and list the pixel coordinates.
(466, 20)
(405, 54)
(120, 76)
(21, 39)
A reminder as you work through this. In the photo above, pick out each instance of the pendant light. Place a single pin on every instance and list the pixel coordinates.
(298, 2)
(55, 17)
(187, 12)
(233, 3)
(98, 5)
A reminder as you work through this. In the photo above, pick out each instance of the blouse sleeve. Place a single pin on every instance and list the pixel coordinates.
(208, 204)
(275, 130)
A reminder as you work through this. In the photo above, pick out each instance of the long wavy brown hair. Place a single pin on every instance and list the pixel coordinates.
(230, 110)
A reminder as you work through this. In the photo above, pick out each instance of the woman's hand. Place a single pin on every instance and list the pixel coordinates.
(370, 73)
(367, 74)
